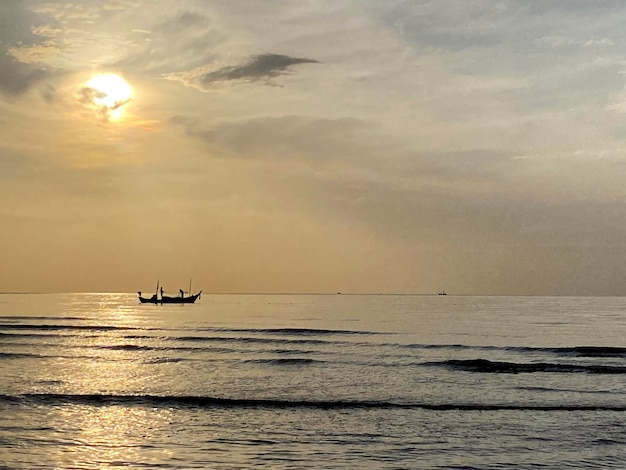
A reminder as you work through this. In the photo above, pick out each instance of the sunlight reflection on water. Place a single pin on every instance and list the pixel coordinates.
(108, 435)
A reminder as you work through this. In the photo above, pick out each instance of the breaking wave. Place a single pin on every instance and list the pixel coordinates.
(579, 351)
(485, 365)
(217, 402)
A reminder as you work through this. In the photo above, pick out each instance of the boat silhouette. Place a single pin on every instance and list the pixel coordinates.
(166, 299)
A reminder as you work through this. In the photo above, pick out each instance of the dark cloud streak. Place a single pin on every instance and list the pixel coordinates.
(260, 67)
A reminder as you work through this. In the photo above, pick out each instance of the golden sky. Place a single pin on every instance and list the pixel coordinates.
(287, 146)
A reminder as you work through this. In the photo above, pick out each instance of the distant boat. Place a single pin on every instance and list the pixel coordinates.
(443, 292)
(165, 299)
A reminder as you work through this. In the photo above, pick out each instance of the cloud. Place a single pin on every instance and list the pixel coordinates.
(90, 97)
(284, 138)
(182, 23)
(33, 54)
(258, 68)
(18, 41)
(351, 171)
(179, 42)
(556, 41)
(120, 4)
(16, 78)
(604, 42)
(357, 153)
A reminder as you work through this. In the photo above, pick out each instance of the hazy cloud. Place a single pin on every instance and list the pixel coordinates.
(182, 23)
(287, 138)
(49, 93)
(17, 24)
(175, 43)
(359, 153)
(16, 77)
(120, 4)
(11, 164)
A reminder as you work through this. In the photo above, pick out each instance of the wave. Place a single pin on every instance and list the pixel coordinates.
(487, 366)
(190, 339)
(6, 355)
(44, 331)
(298, 336)
(594, 351)
(164, 360)
(567, 390)
(290, 361)
(293, 331)
(31, 318)
(578, 351)
(266, 331)
(12, 355)
(53, 327)
(216, 349)
(129, 347)
(30, 335)
(248, 339)
(213, 402)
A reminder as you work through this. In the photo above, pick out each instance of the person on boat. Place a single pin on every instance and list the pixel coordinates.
(181, 292)
(161, 292)
(154, 296)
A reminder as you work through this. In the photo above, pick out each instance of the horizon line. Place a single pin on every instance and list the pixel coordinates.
(415, 294)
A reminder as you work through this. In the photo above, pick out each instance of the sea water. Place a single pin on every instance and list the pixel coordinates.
(312, 381)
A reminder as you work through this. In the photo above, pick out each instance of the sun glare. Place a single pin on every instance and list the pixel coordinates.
(110, 94)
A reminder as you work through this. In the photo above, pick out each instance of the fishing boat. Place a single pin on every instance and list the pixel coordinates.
(166, 299)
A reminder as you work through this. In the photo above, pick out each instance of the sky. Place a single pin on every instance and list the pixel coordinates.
(355, 146)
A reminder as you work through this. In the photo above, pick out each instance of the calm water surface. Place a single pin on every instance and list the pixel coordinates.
(312, 381)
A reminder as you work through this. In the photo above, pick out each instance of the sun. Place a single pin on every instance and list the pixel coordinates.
(109, 94)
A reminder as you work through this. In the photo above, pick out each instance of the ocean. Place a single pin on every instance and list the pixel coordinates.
(312, 381)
